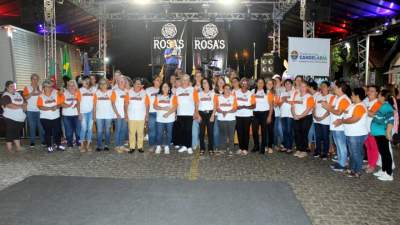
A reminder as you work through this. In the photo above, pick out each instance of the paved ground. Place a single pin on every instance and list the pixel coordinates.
(328, 197)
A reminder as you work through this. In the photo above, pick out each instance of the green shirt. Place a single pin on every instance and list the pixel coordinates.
(382, 118)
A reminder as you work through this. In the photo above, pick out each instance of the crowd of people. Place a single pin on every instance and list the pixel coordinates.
(216, 116)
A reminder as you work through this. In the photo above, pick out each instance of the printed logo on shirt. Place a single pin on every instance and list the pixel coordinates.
(242, 99)
(136, 98)
(184, 94)
(205, 99)
(103, 98)
(50, 101)
(87, 94)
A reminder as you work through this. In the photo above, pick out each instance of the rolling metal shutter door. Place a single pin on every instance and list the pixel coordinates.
(28, 54)
(6, 64)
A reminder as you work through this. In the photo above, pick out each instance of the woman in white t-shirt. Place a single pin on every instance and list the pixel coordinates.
(86, 93)
(14, 115)
(70, 112)
(165, 104)
(206, 111)
(286, 98)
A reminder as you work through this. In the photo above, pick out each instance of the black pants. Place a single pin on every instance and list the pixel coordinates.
(301, 129)
(183, 131)
(259, 121)
(270, 131)
(206, 123)
(169, 70)
(52, 131)
(13, 129)
(243, 131)
(383, 147)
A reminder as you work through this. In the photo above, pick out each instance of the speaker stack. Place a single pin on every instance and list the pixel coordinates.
(270, 65)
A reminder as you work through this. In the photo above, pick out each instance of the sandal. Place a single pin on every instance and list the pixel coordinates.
(211, 152)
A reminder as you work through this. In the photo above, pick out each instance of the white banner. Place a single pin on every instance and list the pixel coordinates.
(309, 56)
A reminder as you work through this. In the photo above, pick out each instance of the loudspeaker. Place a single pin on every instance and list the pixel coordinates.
(271, 64)
(317, 10)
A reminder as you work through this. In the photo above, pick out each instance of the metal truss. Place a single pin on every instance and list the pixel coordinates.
(49, 37)
(308, 29)
(111, 2)
(102, 54)
(363, 56)
(279, 11)
(188, 16)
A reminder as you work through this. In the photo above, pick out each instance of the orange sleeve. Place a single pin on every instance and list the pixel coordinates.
(359, 111)
(216, 100)
(235, 105)
(94, 99)
(113, 97)
(376, 107)
(78, 96)
(25, 92)
(126, 98)
(332, 100)
(196, 96)
(60, 99)
(277, 99)
(344, 104)
(147, 100)
(253, 99)
(174, 101)
(310, 102)
(270, 98)
(39, 101)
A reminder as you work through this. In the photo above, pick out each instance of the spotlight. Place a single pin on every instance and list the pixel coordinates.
(142, 2)
(106, 59)
(227, 2)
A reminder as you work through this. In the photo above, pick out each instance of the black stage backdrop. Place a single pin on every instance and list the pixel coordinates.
(130, 41)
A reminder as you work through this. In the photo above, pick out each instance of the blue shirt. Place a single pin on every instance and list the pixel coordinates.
(172, 59)
(382, 118)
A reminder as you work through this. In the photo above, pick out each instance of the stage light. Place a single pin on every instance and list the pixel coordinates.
(227, 2)
(142, 2)
(347, 45)
(106, 59)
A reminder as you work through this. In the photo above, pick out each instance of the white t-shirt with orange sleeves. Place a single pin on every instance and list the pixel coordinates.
(206, 101)
(358, 128)
(73, 99)
(319, 110)
(54, 99)
(165, 101)
(152, 92)
(87, 99)
(32, 101)
(226, 104)
(372, 106)
(286, 107)
(245, 99)
(343, 102)
(186, 98)
(304, 102)
(137, 104)
(120, 101)
(14, 114)
(103, 103)
(263, 100)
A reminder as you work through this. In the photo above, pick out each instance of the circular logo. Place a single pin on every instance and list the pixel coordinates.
(169, 30)
(294, 55)
(210, 31)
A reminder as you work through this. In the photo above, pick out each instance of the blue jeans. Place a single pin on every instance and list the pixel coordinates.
(287, 128)
(86, 127)
(322, 139)
(356, 150)
(278, 133)
(121, 128)
(195, 134)
(152, 128)
(164, 133)
(340, 141)
(217, 138)
(72, 127)
(311, 134)
(34, 124)
(103, 125)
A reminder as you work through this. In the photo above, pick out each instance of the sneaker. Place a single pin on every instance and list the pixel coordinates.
(98, 149)
(239, 152)
(140, 150)
(60, 148)
(354, 175)
(337, 168)
(386, 177)
(379, 173)
(32, 145)
(324, 157)
(177, 146)
(190, 151)
(132, 150)
(158, 149)
(316, 155)
(166, 150)
(183, 149)
(106, 148)
(230, 153)
(335, 158)
(50, 149)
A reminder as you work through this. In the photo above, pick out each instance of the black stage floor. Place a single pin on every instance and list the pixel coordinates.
(47, 200)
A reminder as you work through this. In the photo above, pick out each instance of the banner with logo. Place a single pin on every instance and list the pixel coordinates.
(309, 57)
(210, 45)
(162, 35)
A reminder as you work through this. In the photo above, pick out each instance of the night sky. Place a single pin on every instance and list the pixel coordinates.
(129, 47)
